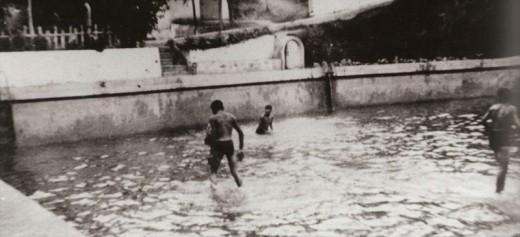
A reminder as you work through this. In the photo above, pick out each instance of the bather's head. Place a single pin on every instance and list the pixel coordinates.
(216, 106)
(268, 109)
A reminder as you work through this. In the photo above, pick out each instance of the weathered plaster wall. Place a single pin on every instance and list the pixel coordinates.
(68, 111)
(271, 52)
(410, 88)
(69, 120)
(22, 69)
(261, 48)
(398, 83)
(237, 57)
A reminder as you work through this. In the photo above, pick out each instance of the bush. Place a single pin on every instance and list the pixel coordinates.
(19, 43)
(192, 43)
(73, 45)
(40, 43)
(99, 44)
(5, 44)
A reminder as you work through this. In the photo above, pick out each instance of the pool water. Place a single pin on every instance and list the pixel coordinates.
(401, 170)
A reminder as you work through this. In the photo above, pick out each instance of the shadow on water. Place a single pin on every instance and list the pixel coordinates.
(9, 172)
(22, 180)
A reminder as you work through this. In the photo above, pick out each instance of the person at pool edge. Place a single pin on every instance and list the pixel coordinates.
(500, 120)
(266, 121)
(221, 125)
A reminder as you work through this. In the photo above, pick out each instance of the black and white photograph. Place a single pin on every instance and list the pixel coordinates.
(259, 118)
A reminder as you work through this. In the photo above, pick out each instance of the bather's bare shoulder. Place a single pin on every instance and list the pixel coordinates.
(494, 107)
(229, 115)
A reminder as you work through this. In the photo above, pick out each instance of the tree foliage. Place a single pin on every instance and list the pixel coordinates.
(417, 29)
(130, 19)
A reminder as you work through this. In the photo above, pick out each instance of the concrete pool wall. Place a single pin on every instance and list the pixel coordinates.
(49, 112)
(403, 83)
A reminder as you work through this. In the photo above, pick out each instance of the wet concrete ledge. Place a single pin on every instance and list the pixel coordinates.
(23, 217)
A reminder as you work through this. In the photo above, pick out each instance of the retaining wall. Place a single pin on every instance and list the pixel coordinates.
(22, 69)
(49, 113)
(41, 122)
(398, 83)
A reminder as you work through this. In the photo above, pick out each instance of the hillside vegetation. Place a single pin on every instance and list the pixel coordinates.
(270, 10)
(414, 29)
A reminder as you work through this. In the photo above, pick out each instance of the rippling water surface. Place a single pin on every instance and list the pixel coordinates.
(404, 170)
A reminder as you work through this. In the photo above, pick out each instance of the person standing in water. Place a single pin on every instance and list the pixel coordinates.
(221, 125)
(500, 120)
(266, 121)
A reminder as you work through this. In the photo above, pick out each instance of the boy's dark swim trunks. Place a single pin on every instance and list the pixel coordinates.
(223, 147)
(498, 139)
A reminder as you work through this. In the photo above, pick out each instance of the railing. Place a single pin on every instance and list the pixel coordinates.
(57, 39)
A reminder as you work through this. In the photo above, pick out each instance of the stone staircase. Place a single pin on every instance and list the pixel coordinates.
(171, 62)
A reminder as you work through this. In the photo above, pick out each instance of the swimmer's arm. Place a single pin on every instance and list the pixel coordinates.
(271, 124)
(208, 129)
(240, 133)
(485, 118)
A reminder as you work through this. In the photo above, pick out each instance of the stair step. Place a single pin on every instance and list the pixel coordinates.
(164, 49)
(175, 73)
(174, 66)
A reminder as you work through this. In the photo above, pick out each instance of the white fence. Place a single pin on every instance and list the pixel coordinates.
(59, 39)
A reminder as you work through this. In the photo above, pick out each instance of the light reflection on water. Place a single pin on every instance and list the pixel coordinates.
(396, 170)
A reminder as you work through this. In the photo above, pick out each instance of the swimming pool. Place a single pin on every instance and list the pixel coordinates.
(413, 169)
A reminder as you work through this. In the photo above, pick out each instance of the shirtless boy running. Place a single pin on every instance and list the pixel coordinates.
(499, 121)
(221, 126)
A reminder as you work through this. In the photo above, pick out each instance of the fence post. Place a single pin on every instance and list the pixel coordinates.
(48, 36)
(81, 36)
(62, 39)
(59, 38)
(109, 37)
(55, 37)
(71, 35)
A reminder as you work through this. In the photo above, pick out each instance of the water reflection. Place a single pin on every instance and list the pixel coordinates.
(14, 174)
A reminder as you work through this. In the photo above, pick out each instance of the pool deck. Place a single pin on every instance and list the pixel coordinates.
(21, 216)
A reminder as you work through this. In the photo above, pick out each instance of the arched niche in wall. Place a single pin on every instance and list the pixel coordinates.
(291, 51)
